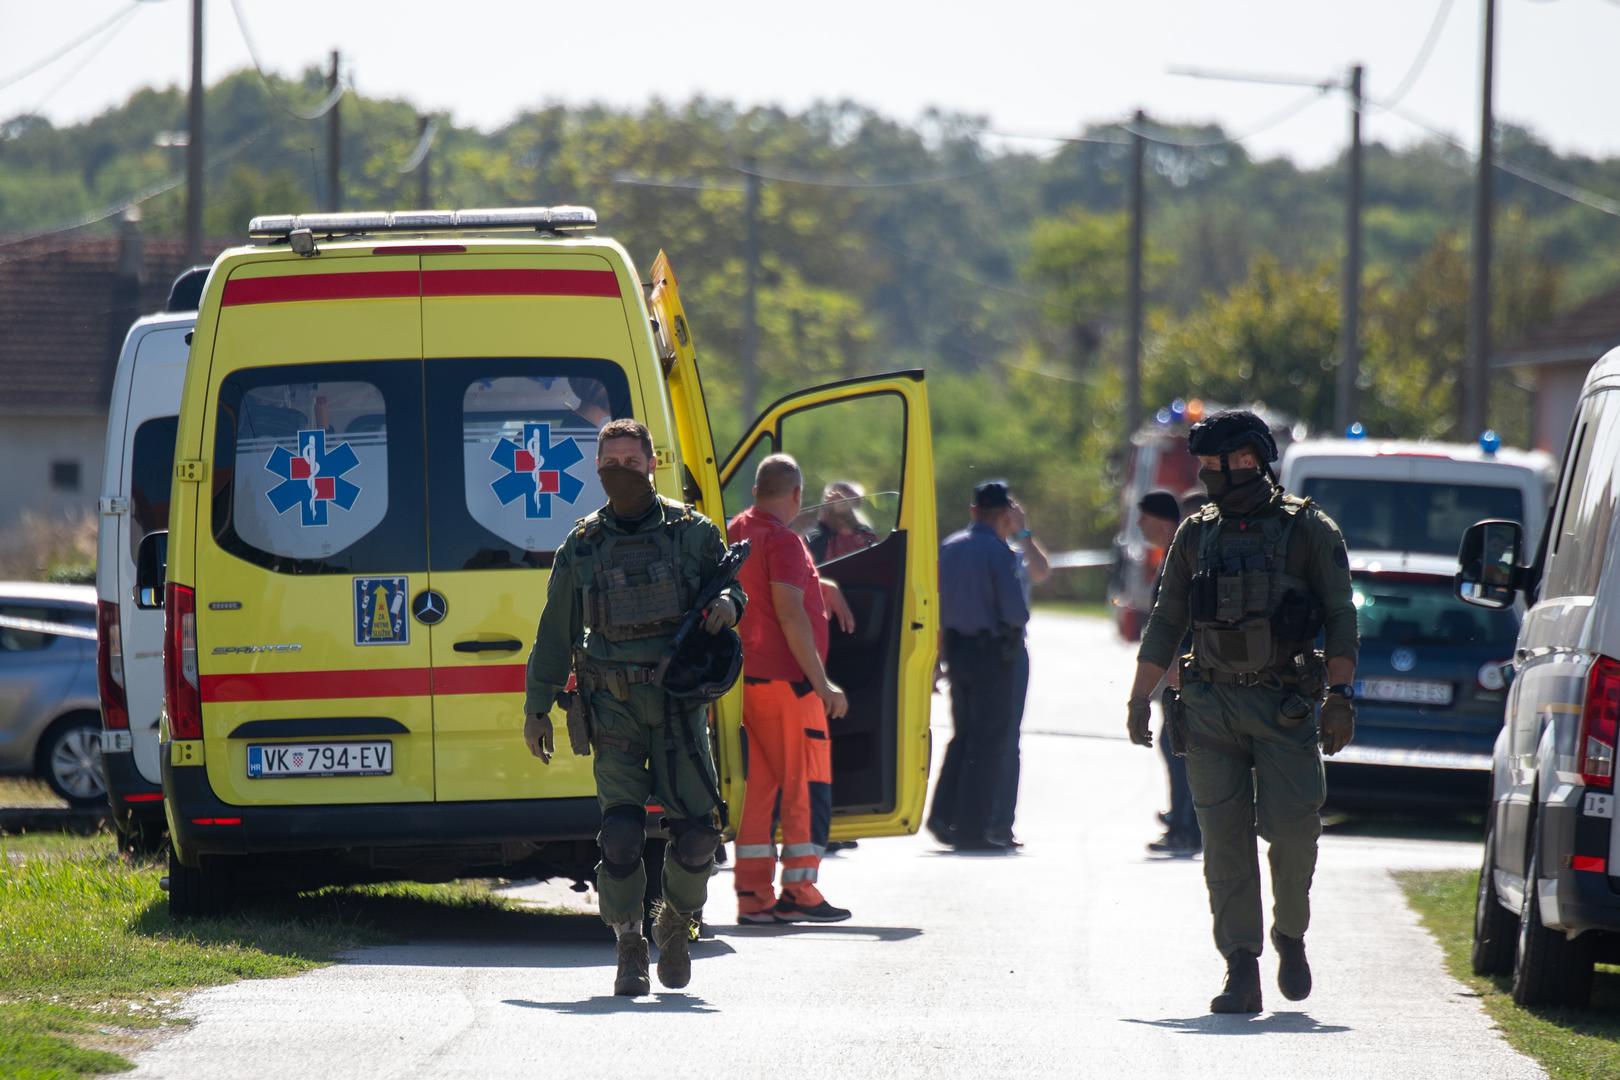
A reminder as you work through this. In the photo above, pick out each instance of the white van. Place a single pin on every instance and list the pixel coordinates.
(141, 421)
(1417, 498)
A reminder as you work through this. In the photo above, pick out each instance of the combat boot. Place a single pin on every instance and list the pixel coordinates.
(632, 977)
(1293, 970)
(1242, 991)
(672, 931)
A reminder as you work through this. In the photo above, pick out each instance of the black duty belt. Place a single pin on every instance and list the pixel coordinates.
(800, 688)
(1274, 680)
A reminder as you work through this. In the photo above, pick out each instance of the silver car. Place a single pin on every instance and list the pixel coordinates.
(50, 713)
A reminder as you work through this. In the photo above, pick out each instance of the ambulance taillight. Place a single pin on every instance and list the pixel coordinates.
(1600, 724)
(180, 694)
(110, 667)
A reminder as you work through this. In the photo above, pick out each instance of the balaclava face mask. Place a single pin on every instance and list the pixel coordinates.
(1243, 491)
(630, 493)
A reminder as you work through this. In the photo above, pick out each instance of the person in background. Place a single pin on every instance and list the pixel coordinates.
(787, 700)
(984, 610)
(1158, 515)
(841, 528)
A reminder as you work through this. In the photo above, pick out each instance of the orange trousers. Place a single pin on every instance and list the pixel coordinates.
(787, 750)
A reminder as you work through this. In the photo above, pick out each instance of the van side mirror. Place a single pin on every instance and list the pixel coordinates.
(151, 570)
(1488, 570)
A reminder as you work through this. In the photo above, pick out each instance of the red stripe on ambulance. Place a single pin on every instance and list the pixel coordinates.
(386, 682)
(294, 288)
(520, 283)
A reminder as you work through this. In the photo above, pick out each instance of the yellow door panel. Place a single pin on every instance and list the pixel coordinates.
(311, 537)
(526, 357)
(867, 457)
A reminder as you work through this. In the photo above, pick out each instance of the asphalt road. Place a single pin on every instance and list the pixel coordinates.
(1081, 957)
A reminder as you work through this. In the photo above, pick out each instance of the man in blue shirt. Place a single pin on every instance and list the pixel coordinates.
(984, 608)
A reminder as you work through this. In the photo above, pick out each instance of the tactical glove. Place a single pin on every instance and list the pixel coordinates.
(1336, 725)
(721, 614)
(1138, 716)
(537, 733)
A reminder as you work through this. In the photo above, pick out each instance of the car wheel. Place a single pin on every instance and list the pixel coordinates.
(1549, 969)
(1496, 931)
(70, 761)
(198, 892)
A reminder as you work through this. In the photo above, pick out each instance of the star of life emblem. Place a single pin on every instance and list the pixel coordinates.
(313, 479)
(537, 471)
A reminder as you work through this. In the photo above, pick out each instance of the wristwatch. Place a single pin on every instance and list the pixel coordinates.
(1023, 534)
(1344, 690)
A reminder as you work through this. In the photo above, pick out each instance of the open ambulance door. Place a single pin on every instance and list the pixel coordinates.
(870, 438)
(699, 478)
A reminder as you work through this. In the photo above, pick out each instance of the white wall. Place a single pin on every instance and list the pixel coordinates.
(29, 445)
(1558, 391)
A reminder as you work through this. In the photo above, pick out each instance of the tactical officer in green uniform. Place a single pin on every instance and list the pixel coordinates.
(620, 584)
(1257, 574)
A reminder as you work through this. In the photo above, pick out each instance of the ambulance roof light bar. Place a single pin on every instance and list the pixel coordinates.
(553, 219)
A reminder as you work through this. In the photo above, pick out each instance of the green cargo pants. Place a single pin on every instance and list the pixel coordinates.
(1263, 775)
(632, 767)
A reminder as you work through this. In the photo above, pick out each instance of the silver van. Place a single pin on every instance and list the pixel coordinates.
(1548, 906)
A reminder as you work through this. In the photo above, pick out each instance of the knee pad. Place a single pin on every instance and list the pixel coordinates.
(695, 843)
(623, 839)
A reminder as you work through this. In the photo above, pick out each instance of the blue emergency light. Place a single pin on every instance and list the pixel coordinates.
(1490, 441)
(1355, 431)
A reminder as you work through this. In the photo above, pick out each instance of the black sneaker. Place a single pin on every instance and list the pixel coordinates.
(1176, 843)
(791, 911)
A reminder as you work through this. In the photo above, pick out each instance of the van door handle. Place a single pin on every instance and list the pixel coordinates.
(503, 645)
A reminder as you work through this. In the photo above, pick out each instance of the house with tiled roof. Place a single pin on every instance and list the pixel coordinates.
(65, 306)
(1553, 359)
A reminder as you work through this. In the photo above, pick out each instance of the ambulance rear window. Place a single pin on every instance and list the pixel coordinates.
(302, 476)
(151, 471)
(512, 464)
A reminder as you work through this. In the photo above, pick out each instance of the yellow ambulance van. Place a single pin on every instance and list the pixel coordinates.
(388, 424)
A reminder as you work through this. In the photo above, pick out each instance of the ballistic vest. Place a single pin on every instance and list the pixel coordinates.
(635, 589)
(1241, 584)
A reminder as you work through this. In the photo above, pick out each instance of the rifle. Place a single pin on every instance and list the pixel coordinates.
(724, 576)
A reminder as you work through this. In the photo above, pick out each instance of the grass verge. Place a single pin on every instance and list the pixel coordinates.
(1571, 1044)
(93, 962)
(21, 791)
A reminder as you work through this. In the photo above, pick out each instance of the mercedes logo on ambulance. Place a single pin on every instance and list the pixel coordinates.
(428, 607)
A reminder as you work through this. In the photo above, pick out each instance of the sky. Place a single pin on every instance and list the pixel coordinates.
(1029, 67)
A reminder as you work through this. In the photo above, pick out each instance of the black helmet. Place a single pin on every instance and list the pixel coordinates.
(705, 666)
(1229, 431)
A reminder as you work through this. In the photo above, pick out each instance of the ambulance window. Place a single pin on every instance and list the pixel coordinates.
(526, 470)
(301, 475)
(151, 470)
(852, 453)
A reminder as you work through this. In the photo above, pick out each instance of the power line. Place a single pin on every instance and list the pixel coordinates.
(1280, 116)
(854, 182)
(112, 32)
(53, 57)
(149, 192)
(1572, 192)
(676, 183)
(430, 131)
(327, 104)
(1425, 51)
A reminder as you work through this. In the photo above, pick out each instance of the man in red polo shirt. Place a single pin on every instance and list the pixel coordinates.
(787, 699)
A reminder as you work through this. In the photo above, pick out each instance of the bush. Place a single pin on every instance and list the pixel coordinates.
(57, 549)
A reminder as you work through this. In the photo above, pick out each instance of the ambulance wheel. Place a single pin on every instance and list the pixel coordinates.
(198, 892)
(1550, 968)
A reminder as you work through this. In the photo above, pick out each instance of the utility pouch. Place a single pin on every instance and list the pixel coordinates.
(1175, 715)
(1201, 597)
(1256, 591)
(581, 738)
(1229, 598)
(1299, 616)
(1239, 649)
(1293, 711)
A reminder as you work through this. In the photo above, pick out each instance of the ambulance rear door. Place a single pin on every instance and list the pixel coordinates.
(869, 436)
(527, 354)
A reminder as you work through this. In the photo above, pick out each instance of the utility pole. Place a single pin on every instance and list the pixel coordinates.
(1476, 378)
(424, 168)
(750, 342)
(334, 144)
(194, 141)
(1133, 347)
(1344, 399)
